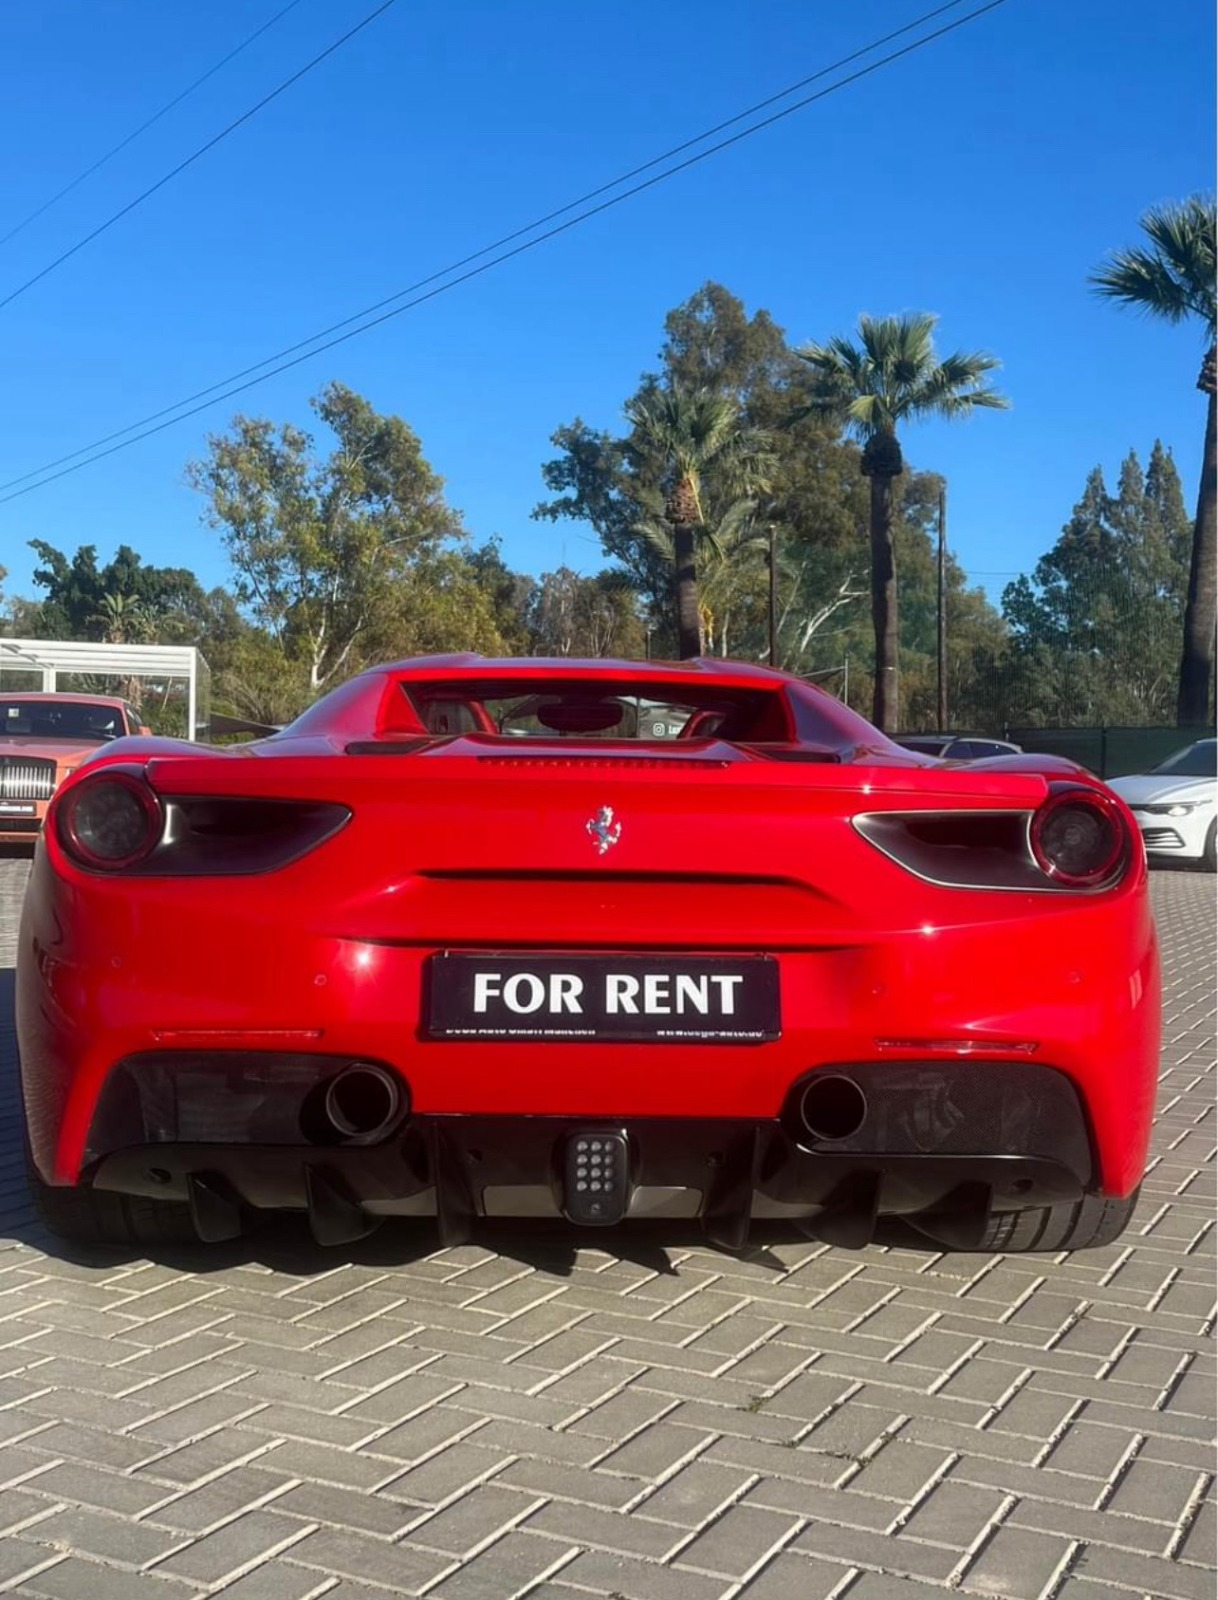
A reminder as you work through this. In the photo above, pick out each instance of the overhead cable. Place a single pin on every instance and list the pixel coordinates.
(196, 155)
(144, 126)
(231, 386)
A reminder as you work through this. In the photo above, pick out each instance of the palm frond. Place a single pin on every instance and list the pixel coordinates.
(1174, 279)
(892, 375)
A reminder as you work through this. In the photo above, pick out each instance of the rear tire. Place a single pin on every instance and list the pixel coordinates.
(1084, 1224)
(98, 1217)
(1209, 851)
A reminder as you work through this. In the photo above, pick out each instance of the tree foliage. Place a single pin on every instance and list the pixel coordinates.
(124, 601)
(1096, 628)
(572, 615)
(318, 545)
(892, 376)
(815, 502)
(1174, 279)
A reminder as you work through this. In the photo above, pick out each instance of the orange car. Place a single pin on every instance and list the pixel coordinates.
(43, 737)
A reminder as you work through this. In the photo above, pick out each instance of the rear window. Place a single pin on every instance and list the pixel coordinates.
(595, 709)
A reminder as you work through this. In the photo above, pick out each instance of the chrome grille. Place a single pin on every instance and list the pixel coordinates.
(26, 778)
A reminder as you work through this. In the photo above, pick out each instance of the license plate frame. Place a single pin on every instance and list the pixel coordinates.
(563, 998)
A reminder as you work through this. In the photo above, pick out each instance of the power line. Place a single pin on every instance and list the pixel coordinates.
(477, 255)
(201, 151)
(144, 126)
(93, 453)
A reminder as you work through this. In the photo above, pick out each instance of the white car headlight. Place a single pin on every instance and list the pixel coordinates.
(1176, 808)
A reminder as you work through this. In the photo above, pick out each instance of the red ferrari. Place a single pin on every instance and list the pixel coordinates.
(597, 939)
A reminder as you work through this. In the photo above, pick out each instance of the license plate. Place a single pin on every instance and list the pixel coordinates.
(18, 808)
(660, 999)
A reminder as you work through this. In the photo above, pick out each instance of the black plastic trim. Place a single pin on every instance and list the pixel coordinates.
(212, 836)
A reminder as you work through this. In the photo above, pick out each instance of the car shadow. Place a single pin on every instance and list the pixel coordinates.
(282, 1242)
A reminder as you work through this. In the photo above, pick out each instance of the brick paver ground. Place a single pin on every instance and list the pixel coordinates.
(642, 1417)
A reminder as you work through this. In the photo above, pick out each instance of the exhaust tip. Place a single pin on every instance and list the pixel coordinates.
(363, 1103)
(832, 1107)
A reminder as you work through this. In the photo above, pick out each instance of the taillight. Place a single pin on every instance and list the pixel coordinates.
(1079, 838)
(110, 822)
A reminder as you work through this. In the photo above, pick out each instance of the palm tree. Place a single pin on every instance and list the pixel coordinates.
(683, 438)
(724, 552)
(126, 620)
(1174, 280)
(889, 377)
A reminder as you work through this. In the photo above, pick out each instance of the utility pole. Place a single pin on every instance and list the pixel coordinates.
(943, 609)
(773, 595)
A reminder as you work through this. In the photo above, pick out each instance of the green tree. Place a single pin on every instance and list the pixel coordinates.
(892, 376)
(712, 343)
(572, 615)
(731, 569)
(817, 505)
(683, 438)
(1173, 279)
(511, 594)
(318, 546)
(86, 601)
(1096, 627)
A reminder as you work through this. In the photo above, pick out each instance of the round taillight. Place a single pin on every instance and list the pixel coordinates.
(110, 823)
(1079, 839)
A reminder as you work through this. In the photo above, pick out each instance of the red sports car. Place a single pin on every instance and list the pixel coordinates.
(602, 939)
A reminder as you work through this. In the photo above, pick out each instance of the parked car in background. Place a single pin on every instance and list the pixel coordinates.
(958, 746)
(469, 938)
(1175, 803)
(44, 737)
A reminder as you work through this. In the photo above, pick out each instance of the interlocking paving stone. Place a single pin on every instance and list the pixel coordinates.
(795, 1577)
(954, 1513)
(695, 1493)
(738, 1542)
(484, 1513)
(511, 1566)
(245, 1541)
(217, 1500)
(275, 1581)
(352, 1555)
(74, 1579)
(625, 1576)
(107, 1538)
(1164, 1580)
(634, 1414)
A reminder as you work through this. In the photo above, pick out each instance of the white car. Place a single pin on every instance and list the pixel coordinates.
(1174, 804)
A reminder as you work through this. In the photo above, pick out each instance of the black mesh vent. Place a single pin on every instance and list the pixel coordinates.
(959, 1108)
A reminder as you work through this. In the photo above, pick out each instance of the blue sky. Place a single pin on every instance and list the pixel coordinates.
(980, 178)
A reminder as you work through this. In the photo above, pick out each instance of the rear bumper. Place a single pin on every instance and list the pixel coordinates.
(938, 1142)
(106, 976)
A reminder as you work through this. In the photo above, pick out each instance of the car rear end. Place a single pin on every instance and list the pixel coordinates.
(467, 979)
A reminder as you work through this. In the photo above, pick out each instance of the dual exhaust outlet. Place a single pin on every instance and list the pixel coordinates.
(832, 1106)
(363, 1103)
